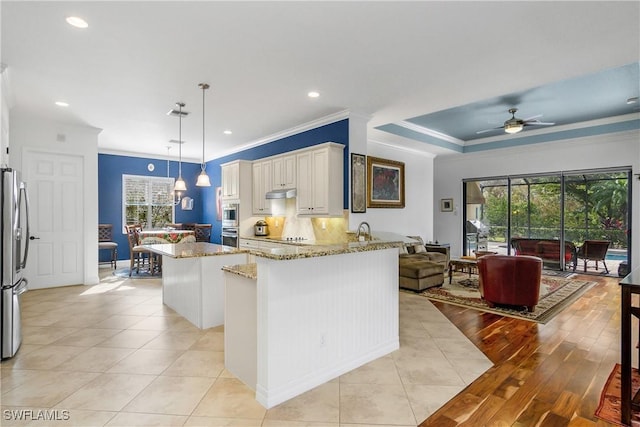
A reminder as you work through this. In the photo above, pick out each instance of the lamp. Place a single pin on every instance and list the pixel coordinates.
(180, 184)
(203, 178)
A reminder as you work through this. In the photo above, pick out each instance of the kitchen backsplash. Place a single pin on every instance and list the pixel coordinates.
(323, 229)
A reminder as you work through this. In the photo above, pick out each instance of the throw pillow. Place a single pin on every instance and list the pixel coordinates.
(419, 249)
(403, 249)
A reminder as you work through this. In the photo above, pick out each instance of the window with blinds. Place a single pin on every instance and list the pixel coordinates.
(147, 200)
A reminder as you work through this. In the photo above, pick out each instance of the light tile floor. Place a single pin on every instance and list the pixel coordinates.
(113, 355)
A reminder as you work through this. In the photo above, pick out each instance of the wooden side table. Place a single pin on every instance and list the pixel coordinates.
(629, 285)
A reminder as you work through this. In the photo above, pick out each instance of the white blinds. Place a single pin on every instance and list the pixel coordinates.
(147, 200)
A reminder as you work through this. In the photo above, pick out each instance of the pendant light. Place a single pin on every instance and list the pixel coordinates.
(203, 178)
(180, 184)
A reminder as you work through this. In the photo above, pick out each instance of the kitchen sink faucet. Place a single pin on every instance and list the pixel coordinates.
(360, 227)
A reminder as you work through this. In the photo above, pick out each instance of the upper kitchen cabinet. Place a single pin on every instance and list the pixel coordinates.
(236, 180)
(284, 172)
(320, 180)
(262, 178)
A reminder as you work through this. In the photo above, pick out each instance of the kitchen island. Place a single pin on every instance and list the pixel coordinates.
(193, 280)
(303, 315)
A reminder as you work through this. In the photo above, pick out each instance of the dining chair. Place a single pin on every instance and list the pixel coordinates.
(137, 252)
(105, 242)
(189, 226)
(203, 232)
(594, 250)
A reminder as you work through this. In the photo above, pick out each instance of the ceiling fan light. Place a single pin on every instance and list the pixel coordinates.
(513, 127)
(180, 185)
(203, 180)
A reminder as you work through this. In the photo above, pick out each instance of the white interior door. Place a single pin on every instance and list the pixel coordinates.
(55, 185)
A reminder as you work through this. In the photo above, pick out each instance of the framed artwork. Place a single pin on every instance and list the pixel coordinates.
(446, 205)
(358, 183)
(385, 183)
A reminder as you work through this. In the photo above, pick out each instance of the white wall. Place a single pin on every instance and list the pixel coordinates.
(5, 106)
(416, 219)
(612, 150)
(40, 134)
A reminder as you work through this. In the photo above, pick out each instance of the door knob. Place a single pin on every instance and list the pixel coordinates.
(34, 238)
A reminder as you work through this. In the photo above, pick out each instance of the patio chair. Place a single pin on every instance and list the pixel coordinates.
(594, 250)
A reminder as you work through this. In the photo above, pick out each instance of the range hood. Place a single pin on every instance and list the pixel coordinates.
(284, 193)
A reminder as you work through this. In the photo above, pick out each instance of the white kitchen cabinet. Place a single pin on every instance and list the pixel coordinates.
(320, 181)
(262, 179)
(284, 172)
(236, 180)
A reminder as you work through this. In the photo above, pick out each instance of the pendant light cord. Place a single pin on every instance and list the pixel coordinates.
(180, 139)
(204, 87)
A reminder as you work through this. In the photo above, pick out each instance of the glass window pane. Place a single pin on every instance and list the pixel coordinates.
(147, 200)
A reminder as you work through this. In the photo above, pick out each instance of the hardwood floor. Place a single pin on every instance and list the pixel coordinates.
(544, 375)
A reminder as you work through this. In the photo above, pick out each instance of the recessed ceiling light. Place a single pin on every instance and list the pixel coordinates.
(633, 100)
(313, 94)
(227, 132)
(77, 22)
(62, 104)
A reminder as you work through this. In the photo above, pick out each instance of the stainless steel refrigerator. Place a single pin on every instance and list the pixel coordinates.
(14, 233)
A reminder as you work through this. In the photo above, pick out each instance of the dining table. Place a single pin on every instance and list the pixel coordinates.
(155, 237)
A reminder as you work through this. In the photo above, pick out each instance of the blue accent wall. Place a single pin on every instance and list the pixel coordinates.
(112, 167)
(110, 171)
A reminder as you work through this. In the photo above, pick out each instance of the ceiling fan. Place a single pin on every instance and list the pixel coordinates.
(515, 125)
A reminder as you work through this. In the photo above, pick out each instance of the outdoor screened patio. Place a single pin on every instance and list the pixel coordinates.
(571, 207)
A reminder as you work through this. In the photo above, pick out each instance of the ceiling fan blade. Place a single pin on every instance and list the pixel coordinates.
(537, 123)
(532, 118)
(489, 130)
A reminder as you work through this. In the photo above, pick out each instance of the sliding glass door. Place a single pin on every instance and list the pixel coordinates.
(597, 217)
(561, 210)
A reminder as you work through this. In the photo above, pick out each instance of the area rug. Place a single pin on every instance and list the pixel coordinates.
(609, 406)
(556, 293)
(142, 274)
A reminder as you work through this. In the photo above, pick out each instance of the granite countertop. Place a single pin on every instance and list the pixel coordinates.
(250, 271)
(286, 251)
(192, 250)
(291, 251)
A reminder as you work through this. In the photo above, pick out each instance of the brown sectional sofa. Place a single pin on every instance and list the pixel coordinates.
(420, 269)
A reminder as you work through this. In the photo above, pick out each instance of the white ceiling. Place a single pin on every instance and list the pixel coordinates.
(388, 60)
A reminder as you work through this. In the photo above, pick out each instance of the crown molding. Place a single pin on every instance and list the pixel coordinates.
(430, 132)
(326, 120)
(405, 149)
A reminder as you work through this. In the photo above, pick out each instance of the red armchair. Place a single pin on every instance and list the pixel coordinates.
(511, 280)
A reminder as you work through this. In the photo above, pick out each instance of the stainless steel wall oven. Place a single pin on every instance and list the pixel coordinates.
(230, 236)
